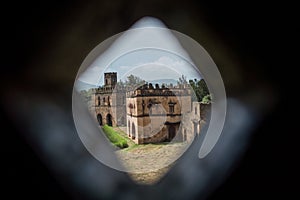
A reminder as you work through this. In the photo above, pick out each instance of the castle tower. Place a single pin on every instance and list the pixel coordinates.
(110, 79)
(110, 102)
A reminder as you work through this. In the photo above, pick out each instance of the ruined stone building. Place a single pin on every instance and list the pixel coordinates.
(110, 102)
(193, 121)
(154, 114)
(151, 114)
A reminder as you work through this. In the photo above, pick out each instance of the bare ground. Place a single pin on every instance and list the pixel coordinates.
(148, 163)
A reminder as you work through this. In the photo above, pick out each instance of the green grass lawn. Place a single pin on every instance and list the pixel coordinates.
(124, 135)
(119, 138)
(114, 137)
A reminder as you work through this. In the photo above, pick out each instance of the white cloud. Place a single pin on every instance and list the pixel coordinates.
(124, 67)
(169, 67)
(153, 71)
(163, 68)
(133, 39)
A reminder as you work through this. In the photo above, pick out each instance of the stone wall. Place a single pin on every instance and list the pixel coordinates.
(154, 112)
(111, 102)
(193, 122)
(151, 115)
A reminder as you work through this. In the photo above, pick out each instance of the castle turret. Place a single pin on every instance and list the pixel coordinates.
(110, 79)
(110, 102)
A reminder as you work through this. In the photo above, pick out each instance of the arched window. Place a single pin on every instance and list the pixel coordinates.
(133, 131)
(171, 108)
(99, 101)
(109, 120)
(99, 119)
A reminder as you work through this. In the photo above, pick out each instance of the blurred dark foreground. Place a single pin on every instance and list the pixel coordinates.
(44, 44)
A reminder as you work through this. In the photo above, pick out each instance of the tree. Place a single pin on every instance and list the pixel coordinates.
(86, 94)
(133, 81)
(200, 89)
(120, 84)
(206, 99)
(182, 80)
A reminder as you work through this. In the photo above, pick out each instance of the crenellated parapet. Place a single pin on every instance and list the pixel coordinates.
(150, 90)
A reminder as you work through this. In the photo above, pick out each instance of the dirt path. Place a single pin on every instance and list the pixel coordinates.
(148, 163)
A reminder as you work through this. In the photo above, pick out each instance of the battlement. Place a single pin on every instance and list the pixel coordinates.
(110, 79)
(109, 89)
(110, 74)
(149, 90)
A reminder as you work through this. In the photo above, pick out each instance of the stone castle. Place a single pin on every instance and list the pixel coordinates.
(151, 114)
(110, 102)
(154, 114)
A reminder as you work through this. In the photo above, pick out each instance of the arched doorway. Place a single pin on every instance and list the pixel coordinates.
(129, 134)
(133, 130)
(99, 119)
(109, 120)
(172, 132)
(195, 124)
(184, 135)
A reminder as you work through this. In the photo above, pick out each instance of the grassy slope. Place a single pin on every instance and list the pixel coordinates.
(114, 137)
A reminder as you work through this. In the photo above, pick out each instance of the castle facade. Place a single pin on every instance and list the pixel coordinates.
(154, 114)
(110, 102)
(151, 114)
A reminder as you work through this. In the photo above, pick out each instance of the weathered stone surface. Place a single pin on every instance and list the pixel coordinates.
(151, 114)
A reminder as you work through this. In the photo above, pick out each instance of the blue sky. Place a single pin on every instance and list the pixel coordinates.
(152, 64)
(148, 50)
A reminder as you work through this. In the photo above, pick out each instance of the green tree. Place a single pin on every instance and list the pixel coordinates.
(206, 99)
(133, 81)
(182, 80)
(200, 89)
(86, 95)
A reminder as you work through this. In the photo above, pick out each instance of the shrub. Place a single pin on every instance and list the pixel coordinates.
(207, 99)
(114, 137)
